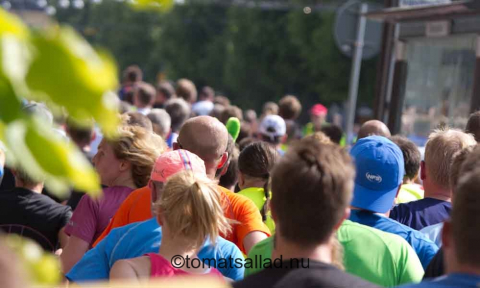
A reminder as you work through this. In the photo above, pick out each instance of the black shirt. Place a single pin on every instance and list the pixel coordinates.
(436, 266)
(33, 215)
(8, 181)
(318, 274)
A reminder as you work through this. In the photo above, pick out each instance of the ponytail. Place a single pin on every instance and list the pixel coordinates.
(266, 205)
(191, 206)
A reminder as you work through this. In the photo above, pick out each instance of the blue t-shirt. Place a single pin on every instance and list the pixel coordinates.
(434, 233)
(172, 138)
(421, 213)
(137, 239)
(424, 248)
(454, 280)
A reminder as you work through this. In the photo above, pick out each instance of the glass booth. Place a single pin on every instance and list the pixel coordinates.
(434, 70)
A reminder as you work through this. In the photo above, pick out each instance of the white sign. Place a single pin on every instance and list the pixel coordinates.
(438, 28)
(410, 3)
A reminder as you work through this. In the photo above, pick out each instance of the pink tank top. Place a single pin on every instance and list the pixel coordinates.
(161, 267)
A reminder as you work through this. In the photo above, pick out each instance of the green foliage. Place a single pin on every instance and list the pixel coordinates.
(58, 67)
(250, 55)
(42, 268)
(127, 33)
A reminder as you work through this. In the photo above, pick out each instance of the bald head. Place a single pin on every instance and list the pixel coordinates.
(204, 136)
(373, 127)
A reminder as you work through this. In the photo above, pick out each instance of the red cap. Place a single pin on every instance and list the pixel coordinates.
(318, 109)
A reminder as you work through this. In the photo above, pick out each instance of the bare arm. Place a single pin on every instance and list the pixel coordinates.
(72, 253)
(63, 238)
(253, 238)
(123, 269)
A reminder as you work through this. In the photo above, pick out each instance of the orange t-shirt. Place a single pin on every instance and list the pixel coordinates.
(137, 207)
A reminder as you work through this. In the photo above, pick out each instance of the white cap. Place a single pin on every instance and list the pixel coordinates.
(273, 126)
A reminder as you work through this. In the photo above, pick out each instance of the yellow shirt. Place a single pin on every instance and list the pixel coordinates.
(409, 193)
(257, 195)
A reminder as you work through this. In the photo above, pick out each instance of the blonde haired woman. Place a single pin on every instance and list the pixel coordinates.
(189, 212)
(123, 164)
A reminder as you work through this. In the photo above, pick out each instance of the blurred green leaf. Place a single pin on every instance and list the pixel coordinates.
(42, 152)
(66, 71)
(12, 25)
(42, 268)
(10, 105)
(14, 61)
(162, 5)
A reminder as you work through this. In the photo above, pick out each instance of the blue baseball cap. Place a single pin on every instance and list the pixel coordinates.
(380, 170)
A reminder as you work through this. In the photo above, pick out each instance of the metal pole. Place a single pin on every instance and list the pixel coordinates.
(388, 97)
(355, 72)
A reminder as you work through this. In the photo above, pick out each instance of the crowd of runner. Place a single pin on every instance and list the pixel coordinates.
(194, 185)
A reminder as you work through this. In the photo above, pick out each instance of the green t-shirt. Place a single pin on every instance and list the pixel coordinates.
(378, 257)
(258, 197)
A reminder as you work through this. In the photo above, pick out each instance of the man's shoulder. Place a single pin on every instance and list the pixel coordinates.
(415, 238)
(44, 200)
(366, 234)
(403, 208)
(263, 248)
(420, 205)
(319, 275)
(263, 279)
(392, 226)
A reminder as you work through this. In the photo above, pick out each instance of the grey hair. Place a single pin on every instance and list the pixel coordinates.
(161, 120)
(179, 111)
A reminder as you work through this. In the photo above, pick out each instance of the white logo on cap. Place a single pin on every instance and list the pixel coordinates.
(374, 178)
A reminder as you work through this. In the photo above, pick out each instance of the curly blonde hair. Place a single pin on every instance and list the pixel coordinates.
(141, 148)
(191, 206)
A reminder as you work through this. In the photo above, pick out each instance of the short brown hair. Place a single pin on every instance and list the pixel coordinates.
(133, 73)
(471, 162)
(458, 160)
(411, 155)
(179, 112)
(207, 92)
(166, 89)
(24, 177)
(138, 119)
(222, 100)
(245, 142)
(231, 111)
(465, 219)
(186, 90)
(320, 137)
(473, 125)
(270, 108)
(289, 108)
(334, 132)
(145, 93)
(230, 178)
(311, 186)
(79, 134)
(439, 151)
